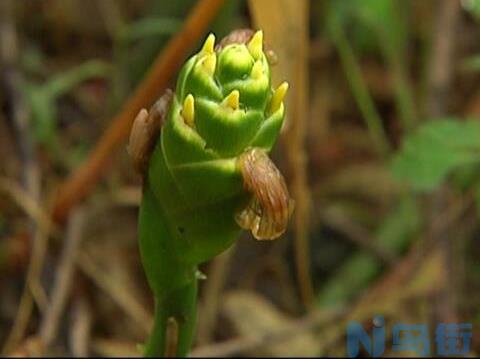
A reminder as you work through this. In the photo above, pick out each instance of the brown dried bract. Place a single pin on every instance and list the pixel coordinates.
(239, 36)
(145, 130)
(243, 36)
(268, 213)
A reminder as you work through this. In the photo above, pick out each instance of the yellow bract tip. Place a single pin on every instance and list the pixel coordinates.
(188, 111)
(208, 45)
(278, 97)
(209, 63)
(232, 100)
(257, 70)
(255, 46)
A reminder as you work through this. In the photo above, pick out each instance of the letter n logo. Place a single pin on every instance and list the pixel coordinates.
(357, 335)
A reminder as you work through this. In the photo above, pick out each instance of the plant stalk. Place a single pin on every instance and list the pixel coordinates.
(174, 323)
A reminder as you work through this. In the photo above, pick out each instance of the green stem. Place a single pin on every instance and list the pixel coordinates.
(174, 283)
(174, 326)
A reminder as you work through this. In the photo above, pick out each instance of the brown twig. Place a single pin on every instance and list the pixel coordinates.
(81, 182)
(439, 81)
(81, 326)
(441, 69)
(28, 204)
(63, 279)
(294, 144)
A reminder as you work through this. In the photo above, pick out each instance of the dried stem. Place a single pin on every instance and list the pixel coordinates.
(441, 67)
(294, 142)
(81, 326)
(439, 81)
(63, 279)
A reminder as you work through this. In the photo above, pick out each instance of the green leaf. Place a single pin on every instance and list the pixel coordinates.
(435, 150)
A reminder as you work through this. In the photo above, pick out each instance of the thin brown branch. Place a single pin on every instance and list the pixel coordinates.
(81, 327)
(63, 279)
(28, 204)
(295, 149)
(440, 81)
(81, 182)
(441, 69)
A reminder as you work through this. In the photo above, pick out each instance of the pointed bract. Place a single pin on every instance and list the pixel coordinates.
(208, 45)
(255, 45)
(232, 100)
(278, 97)
(188, 111)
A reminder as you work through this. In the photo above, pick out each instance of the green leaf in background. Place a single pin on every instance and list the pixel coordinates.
(42, 97)
(435, 150)
(473, 7)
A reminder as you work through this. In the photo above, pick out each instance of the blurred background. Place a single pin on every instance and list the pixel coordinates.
(380, 150)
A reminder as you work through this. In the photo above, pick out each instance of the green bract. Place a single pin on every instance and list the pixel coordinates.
(223, 105)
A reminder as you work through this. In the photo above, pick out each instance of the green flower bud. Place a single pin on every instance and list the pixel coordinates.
(208, 175)
(223, 105)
